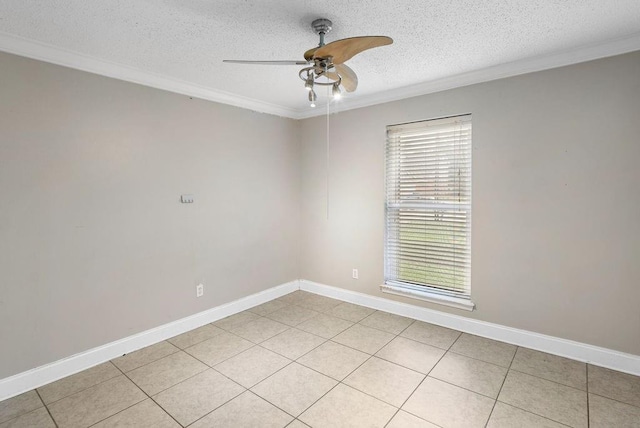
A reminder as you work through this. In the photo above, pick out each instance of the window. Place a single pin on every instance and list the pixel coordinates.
(428, 210)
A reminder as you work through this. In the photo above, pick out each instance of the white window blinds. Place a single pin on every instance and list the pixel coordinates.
(428, 206)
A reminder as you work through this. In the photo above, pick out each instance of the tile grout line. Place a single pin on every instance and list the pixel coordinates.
(323, 374)
(271, 337)
(196, 343)
(326, 312)
(150, 362)
(548, 380)
(274, 405)
(378, 398)
(222, 374)
(588, 416)
(120, 411)
(80, 390)
(526, 410)
(356, 349)
(386, 331)
(165, 410)
(462, 387)
(19, 415)
(296, 359)
(265, 399)
(417, 386)
(315, 334)
(145, 393)
(339, 382)
(477, 359)
(454, 352)
(209, 412)
(236, 396)
(274, 373)
(258, 346)
(85, 389)
(613, 399)
(425, 377)
(46, 407)
(399, 408)
(178, 383)
(185, 379)
(501, 386)
(451, 350)
(509, 368)
(325, 341)
(126, 408)
(253, 344)
(533, 413)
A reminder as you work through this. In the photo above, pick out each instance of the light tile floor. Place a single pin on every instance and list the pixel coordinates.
(307, 360)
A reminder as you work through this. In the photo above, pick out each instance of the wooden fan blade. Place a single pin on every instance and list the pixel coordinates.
(344, 49)
(236, 61)
(331, 75)
(349, 78)
(308, 55)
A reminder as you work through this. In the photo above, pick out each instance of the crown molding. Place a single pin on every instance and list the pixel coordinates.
(543, 62)
(55, 55)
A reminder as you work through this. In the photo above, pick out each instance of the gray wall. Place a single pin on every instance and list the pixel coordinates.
(94, 245)
(556, 199)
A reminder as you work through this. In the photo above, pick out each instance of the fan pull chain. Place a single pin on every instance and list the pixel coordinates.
(327, 153)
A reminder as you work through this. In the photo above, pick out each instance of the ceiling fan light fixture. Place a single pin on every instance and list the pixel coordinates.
(308, 84)
(336, 92)
(312, 97)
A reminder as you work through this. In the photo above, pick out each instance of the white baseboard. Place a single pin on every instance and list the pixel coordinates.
(595, 355)
(48, 373)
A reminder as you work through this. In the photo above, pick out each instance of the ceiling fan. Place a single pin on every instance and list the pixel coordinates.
(328, 60)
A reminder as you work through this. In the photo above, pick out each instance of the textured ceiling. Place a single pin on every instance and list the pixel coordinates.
(186, 40)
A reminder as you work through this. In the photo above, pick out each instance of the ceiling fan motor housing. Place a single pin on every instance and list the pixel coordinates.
(321, 26)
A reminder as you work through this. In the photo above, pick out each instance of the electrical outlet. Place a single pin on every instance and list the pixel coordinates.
(354, 274)
(199, 290)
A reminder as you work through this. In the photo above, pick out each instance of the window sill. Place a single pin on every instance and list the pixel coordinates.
(454, 302)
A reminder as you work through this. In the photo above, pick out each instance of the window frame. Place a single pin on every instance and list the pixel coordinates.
(432, 293)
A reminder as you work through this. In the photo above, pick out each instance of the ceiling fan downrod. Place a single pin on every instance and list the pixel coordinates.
(321, 27)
